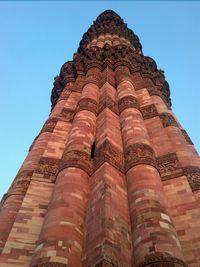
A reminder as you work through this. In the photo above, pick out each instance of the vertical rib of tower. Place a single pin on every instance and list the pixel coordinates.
(93, 189)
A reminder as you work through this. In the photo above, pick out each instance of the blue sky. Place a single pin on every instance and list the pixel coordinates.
(38, 37)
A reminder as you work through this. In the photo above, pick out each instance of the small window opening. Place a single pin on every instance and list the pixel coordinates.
(92, 150)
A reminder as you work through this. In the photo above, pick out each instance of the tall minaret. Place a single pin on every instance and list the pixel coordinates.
(112, 179)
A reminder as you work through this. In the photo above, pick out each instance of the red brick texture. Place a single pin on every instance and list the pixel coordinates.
(112, 179)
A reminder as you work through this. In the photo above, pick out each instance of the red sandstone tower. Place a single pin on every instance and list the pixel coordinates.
(112, 179)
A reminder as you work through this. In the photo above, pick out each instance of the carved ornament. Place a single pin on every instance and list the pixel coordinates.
(87, 103)
(107, 152)
(109, 22)
(159, 260)
(50, 264)
(67, 72)
(149, 111)
(76, 158)
(128, 102)
(193, 176)
(67, 114)
(105, 263)
(168, 120)
(58, 87)
(20, 183)
(113, 58)
(49, 125)
(169, 166)
(139, 154)
(48, 167)
(110, 57)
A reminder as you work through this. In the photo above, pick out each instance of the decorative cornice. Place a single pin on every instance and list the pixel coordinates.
(58, 87)
(139, 154)
(110, 56)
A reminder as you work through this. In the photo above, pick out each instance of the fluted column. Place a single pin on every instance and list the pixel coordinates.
(107, 239)
(154, 237)
(61, 237)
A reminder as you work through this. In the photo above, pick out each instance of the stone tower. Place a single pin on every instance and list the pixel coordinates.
(112, 179)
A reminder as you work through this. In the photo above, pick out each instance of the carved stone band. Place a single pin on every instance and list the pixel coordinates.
(87, 104)
(105, 263)
(193, 176)
(139, 154)
(108, 153)
(21, 183)
(49, 125)
(149, 111)
(51, 264)
(162, 261)
(128, 102)
(19, 186)
(169, 166)
(168, 120)
(76, 158)
(67, 115)
(48, 167)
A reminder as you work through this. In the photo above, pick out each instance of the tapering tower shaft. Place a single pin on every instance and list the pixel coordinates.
(112, 175)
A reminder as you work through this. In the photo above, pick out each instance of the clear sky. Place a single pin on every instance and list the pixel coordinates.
(38, 37)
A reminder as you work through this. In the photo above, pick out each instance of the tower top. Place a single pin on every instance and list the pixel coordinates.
(109, 22)
(110, 43)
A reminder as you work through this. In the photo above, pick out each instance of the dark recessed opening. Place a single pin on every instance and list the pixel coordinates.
(92, 150)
